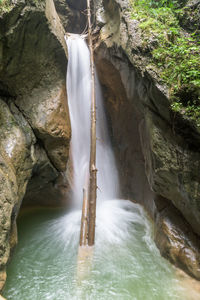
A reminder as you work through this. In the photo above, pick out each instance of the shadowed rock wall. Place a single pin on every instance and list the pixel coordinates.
(34, 121)
(73, 14)
(158, 151)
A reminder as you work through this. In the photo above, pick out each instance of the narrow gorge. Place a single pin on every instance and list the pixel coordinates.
(151, 100)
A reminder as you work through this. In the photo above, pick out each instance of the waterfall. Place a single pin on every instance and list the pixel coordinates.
(79, 100)
(126, 263)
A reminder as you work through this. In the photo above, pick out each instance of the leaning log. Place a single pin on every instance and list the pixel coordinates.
(84, 220)
(92, 166)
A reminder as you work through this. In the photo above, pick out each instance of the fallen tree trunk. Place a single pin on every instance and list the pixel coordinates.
(92, 167)
(84, 220)
(87, 232)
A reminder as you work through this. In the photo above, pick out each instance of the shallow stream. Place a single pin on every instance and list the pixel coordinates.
(126, 263)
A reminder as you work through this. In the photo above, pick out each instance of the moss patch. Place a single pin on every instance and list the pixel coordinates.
(173, 50)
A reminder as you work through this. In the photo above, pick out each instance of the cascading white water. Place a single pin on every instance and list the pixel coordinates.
(126, 263)
(79, 99)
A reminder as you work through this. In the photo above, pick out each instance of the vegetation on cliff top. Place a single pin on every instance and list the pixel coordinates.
(173, 50)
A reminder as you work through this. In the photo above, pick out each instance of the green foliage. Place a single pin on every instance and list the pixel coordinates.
(174, 51)
(191, 111)
(180, 61)
(5, 5)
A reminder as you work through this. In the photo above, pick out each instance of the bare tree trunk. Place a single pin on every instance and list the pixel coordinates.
(84, 220)
(93, 170)
(87, 233)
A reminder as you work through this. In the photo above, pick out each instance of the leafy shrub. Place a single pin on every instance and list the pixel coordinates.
(175, 52)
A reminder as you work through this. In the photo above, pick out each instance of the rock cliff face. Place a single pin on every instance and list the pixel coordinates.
(158, 150)
(34, 119)
(16, 163)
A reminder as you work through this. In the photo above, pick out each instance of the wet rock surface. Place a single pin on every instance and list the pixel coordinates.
(158, 152)
(16, 163)
(172, 168)
(47, 112)
(175, 238)
(34, 119)
(155, 147)
(118, 79)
